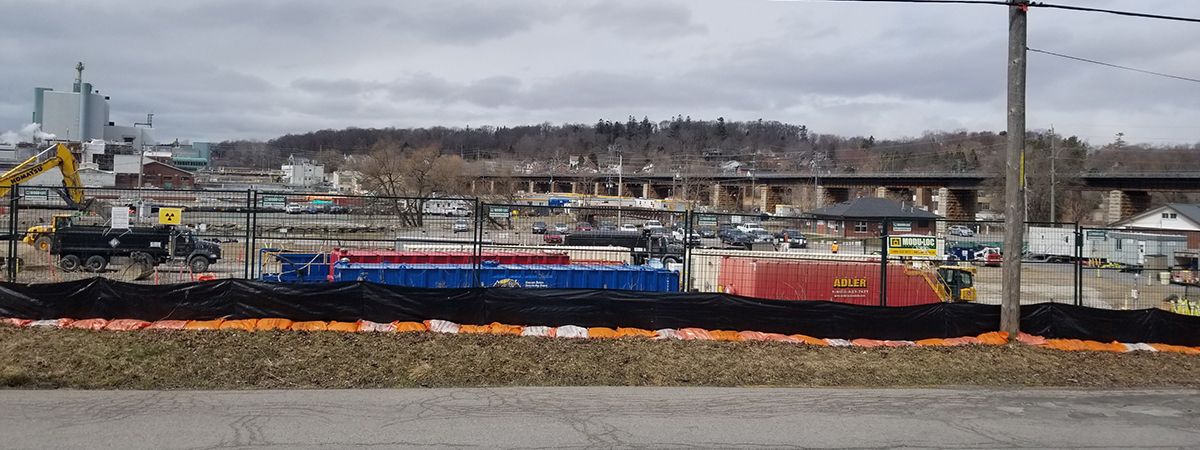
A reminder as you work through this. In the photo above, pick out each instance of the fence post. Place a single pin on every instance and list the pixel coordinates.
(1078, 265)
(246, 240)
(252, 234)
(477, 244)
(883, 262)
(685, 281)
(14, 206)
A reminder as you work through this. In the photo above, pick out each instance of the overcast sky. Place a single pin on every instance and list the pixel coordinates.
(216, 70)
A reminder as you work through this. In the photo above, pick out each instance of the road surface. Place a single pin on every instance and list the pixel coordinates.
(579, 418)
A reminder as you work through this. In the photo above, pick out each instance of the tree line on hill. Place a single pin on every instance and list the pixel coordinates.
(694, 149)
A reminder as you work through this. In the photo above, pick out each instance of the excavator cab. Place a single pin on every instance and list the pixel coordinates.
(959, 282)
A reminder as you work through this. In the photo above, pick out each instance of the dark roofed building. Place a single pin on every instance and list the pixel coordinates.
(864, 217)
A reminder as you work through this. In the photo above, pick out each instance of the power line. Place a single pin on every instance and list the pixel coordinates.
(1113, 65)
(1031, 5)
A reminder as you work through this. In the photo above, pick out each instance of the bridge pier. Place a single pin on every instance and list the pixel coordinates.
(827, 196)
(957, 204)
(924, 198)
(902, 195)
(1123, 204)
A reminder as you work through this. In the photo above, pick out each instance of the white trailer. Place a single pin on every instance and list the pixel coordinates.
(1058, 244)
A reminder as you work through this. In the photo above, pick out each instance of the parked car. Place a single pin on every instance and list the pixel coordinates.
(608, 223)
(651, 224)
(629, 227)
(293, 208)
(736, 237)
(553, 237)
(793, 238)
(561, 227)
(693, 238)
(538, 227)
(707, 232)
(313, 210)
(761, 236)
(583, 226)
(461, 226)
(961, 230)
(607, 228)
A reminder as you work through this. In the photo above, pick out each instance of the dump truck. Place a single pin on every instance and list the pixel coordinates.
(851, 282)
(93, 247)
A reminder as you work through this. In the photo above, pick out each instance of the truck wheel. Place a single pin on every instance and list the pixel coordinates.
(198, 264)
(95, 263)
(42, 243)
(670, 261)
(69, 263)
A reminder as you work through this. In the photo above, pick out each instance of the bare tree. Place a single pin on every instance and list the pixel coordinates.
(410, 177)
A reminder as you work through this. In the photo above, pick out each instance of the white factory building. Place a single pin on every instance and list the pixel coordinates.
(82, 115)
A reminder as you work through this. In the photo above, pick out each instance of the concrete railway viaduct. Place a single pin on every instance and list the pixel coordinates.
(958, 194)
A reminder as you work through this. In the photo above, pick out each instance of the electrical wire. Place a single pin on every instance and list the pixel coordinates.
(1060, 55)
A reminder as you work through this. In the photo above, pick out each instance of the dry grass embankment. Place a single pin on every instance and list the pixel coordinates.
(227, 359)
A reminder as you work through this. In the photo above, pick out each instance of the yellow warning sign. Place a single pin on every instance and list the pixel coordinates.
(170, 216)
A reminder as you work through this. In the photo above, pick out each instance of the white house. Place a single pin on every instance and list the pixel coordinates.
(1179, 217)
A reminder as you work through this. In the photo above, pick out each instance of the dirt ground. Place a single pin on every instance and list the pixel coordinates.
(228, 359)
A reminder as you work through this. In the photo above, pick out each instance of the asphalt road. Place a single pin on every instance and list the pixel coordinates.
(565, 418)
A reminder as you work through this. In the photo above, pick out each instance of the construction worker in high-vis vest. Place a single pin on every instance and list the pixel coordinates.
(834, 247)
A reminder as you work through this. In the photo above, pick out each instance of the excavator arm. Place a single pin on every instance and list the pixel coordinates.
(58, 156)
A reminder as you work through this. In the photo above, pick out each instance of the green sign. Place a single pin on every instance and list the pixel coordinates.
(912, 246)
(499, 212)
(37, 194)
(710, 221)
(274, 200)
(1097, 235)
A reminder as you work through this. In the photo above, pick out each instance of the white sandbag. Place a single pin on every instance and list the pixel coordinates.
(1140, 346)
(838, 342)
(571, 331)
(368, 325)
(50, 323)
(443, 326)
(538, 331)
(668, 333)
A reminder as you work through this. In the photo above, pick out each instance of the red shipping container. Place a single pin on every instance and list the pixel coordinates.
(855, 283)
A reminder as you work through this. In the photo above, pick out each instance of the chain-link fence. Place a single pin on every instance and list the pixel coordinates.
(170, 236)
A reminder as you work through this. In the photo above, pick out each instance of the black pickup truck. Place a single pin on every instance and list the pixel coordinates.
(93, 247)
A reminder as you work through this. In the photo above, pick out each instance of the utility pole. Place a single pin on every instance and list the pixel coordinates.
(1014, 169)
(620, 186)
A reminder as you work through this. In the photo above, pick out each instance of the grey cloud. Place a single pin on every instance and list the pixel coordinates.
(650, 19)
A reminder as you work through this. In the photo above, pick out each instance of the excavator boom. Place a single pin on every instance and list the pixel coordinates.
(58, 156)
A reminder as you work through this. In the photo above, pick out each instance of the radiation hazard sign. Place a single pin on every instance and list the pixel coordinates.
(170, 216)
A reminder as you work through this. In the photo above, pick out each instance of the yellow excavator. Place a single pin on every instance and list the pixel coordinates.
(58, 156)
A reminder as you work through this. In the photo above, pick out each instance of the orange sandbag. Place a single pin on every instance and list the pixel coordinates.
(933, 342)
(243, 324)
(1072, 345)
(475, 329)
(1029, 339)
(204, 324)
(402, 327)
(315, 325)
(965, 340)
(1175, 349)
(126, 325)
(17, 322)
(168, 325)
(860, 342)
(698, 334)
(636, 332)
(500, 328)
(810, 340)
(782, 338)
(88, 324)
(602, 332)
(725, 335)
(273, 324)
(753, 335)
(348, 327)
(994, 338)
